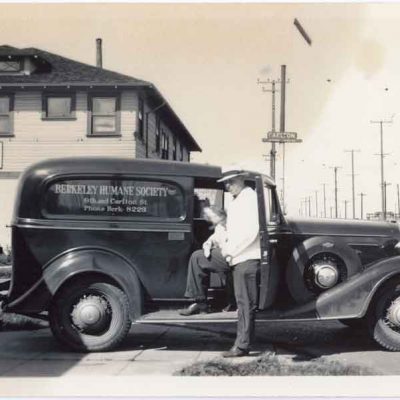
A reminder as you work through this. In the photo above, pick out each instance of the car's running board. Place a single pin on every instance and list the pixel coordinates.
(173, 316)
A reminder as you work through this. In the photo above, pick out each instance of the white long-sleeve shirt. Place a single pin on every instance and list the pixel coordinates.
(243, 227)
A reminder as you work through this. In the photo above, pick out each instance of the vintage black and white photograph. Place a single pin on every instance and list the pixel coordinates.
(199, 189)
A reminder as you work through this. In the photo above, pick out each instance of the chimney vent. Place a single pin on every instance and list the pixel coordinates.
(99, 53)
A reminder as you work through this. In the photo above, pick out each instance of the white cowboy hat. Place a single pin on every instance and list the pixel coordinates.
(231, 172)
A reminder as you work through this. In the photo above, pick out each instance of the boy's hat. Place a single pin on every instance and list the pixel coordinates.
(231, 172)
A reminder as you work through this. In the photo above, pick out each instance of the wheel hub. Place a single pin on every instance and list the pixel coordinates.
(393, 313)
(326, 274)
(91, 314)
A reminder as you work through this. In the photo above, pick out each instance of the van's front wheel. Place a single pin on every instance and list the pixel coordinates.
(90, 316)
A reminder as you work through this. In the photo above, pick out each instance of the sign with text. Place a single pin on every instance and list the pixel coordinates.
(282, 137)
(123, 198)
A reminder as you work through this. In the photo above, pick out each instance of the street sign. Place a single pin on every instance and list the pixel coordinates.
(266, 140)
(282, 137)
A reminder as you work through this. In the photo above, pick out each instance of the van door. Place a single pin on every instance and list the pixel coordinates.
(269, 236)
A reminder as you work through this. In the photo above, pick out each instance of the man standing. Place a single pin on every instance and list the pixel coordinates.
(243, 253)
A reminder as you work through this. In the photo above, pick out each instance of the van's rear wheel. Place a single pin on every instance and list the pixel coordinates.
(90, 316)
(384, 317)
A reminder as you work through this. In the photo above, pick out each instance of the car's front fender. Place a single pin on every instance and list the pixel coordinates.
(352, 298)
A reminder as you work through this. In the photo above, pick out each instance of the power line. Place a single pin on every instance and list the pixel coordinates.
(335, 169)
(273, 90)
(382, 156)
(353, 198)
(362, 195)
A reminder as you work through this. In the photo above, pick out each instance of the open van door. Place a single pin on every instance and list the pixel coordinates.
(269, 273)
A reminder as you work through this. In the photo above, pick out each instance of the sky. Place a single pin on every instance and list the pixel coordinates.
(206, 59)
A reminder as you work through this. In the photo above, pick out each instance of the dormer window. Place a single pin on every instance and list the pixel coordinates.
(10, 66)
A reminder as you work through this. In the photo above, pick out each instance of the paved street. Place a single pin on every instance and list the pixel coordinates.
(160, 349)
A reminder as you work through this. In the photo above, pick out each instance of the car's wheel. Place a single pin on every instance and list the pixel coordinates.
(90, 316)
(355, 323)
(384, 317)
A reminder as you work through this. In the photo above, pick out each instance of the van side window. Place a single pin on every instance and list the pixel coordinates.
(114, 198)
(205, 198)
(271, 209)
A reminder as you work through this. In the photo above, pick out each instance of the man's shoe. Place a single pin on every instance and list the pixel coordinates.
(229, 307)
(235, 352)
(195, 308)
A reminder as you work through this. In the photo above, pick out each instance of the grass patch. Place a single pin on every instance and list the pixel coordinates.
(16, 322)
(270, 364)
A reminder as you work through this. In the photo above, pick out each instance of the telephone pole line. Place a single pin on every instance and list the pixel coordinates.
(362, 204)
(398, 201)
(382, 156)
(352, 180)
(324, 193)
(335, 169)
(272, 167)
(345, 208)
(386, 184)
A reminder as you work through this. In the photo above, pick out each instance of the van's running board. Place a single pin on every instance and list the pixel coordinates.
(173, 316)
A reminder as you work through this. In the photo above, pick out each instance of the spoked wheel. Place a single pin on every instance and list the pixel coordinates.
(90, 316)
(384, 318)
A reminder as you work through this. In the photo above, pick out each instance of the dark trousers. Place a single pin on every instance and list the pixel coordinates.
(246, 293)
(199, 273)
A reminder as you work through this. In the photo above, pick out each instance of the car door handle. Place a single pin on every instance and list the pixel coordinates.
(273, 241)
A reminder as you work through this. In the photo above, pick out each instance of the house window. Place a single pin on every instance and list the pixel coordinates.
(181, 152)
(7, 66)
(104, 115)
(58, 106)
(140, 118)
(175, 149)
(158, 131)
(6, 108)
(165, 146)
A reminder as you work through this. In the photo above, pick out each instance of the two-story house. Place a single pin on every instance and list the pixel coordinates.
(52, 106)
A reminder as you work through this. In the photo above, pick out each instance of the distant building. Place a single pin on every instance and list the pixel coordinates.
(378, 216)
(52, 106)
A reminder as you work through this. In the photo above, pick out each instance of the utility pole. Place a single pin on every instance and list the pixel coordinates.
(385, 184)
(398, 201)
(362, 204)
(345, 208)
(273, 90)
(382, 156)
(316, 203)
(323, 185)
(282, 137)
(282, 128)
(352, 181)
(309, 206)
(335, 169)
(331, 211)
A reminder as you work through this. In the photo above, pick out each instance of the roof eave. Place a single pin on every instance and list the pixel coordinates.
(194, 145)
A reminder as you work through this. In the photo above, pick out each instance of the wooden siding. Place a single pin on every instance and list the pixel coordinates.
(35, 139)
(151, 137)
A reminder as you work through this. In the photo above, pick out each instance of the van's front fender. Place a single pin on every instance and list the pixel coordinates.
(74, 264)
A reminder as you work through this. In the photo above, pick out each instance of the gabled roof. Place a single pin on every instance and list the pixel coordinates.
(64, 71)
(57, 71)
